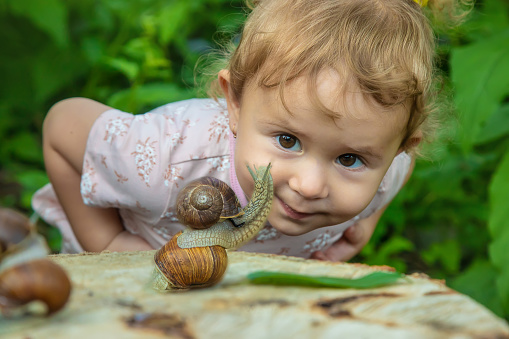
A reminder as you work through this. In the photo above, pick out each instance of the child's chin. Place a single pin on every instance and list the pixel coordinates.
(292, 230)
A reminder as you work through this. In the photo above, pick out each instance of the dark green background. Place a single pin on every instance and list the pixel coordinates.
(450, 221)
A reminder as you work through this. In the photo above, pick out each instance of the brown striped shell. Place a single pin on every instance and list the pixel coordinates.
(184, 268)
(206, 201)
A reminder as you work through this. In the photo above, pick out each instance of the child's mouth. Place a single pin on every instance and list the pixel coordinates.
(293, 213)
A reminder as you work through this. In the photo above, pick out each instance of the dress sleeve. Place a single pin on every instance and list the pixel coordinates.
(124, 160)
(391, 184)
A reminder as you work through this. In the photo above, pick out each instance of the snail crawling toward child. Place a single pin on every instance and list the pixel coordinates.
(197, 256)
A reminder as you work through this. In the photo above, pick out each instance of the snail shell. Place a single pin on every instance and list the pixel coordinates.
(14, 228)
(206, 201)
(183, 268)
(39, 279)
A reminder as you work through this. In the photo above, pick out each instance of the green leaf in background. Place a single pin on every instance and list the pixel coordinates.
(149, 95)
(171, 18)
(477, 281)
(479, 73)
(375, 279)
(499, 227)
(496, 127)
(49, 15)
(448, 253)
(386, 253)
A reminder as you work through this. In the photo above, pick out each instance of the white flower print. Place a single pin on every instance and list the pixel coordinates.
(145, 159)
(219, 164)
(219, 127)
(163, 231)
(87, 186)
(267, 233)
(197, 157)
(116, 127)
(318, 243)
(169, 214)
(171, 175)
(176, 138)
(143, 117)
(190, 123)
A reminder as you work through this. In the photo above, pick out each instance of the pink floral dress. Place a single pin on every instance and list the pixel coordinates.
(138, 164)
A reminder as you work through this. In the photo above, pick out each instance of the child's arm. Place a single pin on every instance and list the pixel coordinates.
(65, 133)
(356, 236)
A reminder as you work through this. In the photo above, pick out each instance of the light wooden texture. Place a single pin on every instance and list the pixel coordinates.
(112, 298)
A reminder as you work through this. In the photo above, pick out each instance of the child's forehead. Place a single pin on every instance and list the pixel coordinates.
(334, 93)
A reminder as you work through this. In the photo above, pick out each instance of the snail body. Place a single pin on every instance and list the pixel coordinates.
(227, 233)
(197, 257)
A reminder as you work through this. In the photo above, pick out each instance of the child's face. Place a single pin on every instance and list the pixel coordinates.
(325, 171)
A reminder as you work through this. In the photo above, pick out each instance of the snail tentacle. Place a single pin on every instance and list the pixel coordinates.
(227, 235)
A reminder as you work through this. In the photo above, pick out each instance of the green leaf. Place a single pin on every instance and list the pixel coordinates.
(448, 253)
(499, 228)
(129, 68)
(477, 281)
(133, 99)
(49, 15)
(496, 127)
(171, 19)
(371, 280)
(479, 74)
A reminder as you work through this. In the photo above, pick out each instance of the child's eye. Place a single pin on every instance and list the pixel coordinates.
(289, 142)
(350, 161)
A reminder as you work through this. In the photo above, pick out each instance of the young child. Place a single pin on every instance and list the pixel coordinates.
(333, 93)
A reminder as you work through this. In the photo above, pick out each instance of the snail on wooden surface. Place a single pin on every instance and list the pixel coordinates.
(25, 274)
(197, 256)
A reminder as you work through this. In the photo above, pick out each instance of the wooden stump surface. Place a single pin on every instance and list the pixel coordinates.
(112, 298)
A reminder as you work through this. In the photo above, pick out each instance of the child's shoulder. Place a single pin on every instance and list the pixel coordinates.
(186, 109)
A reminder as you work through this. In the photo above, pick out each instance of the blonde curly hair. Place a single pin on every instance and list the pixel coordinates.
(387, 46)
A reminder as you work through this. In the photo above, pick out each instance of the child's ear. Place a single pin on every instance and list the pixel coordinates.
(412, 142)
(231, 100)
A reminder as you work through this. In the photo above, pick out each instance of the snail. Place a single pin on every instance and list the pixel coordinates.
(197, 256)
(25, 274)
(39, 279)
(205, 202)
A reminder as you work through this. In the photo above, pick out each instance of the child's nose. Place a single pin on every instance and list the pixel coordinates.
(309, 179)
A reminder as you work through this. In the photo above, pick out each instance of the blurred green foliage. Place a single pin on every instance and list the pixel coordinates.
(450, 221)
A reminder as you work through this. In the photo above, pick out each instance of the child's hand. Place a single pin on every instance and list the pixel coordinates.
(353, 240)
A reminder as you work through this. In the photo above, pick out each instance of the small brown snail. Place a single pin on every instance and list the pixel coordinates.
(205, 202)
(25, 274)
(40, 279)
(197, 257)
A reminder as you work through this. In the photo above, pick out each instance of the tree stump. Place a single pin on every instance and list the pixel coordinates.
(112, 297)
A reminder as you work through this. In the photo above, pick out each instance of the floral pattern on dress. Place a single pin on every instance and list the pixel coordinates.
(145, 159)
(190, 123)
(162, 231)
(267, 233)
(219, 127)
(219, 164)
(87, 186)
(120, 178)
(171, 175)
(116, 127)
(169, 214)
(103, 161)
(145, 118)
(176, 138)
(318, 243)
(197, 157)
